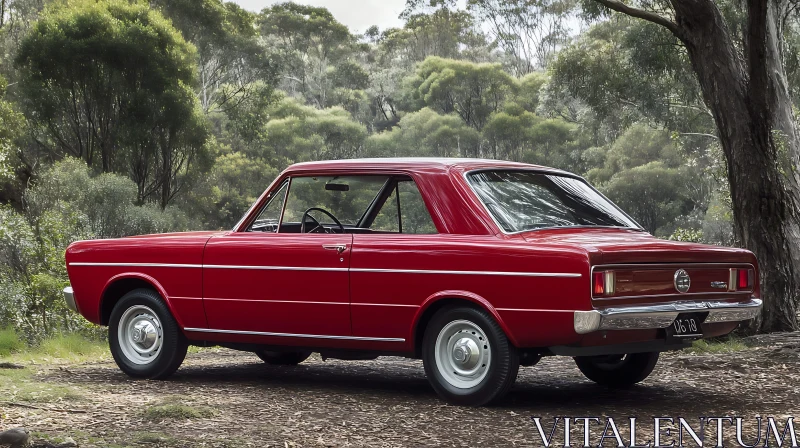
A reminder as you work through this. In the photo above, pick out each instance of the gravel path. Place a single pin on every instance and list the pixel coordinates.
(388, 402)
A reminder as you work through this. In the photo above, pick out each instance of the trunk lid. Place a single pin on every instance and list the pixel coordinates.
(621, 246)
(645, 268)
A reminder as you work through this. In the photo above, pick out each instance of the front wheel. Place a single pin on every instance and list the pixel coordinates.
(617, 370)
(144, 338)
(468, 358)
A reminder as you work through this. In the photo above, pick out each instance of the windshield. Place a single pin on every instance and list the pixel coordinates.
(527, 200)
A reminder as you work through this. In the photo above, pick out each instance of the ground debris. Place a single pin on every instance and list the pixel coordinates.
(388, 402)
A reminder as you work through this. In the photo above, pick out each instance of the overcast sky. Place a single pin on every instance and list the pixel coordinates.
(358, 15)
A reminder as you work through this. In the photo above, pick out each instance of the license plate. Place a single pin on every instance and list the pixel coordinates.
(685, 326)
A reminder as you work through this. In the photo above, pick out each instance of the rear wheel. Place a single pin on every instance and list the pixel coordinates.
(282, 358)
(617, 370)
(467, 356)
(144, 338)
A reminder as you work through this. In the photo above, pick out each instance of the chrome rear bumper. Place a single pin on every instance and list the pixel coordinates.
(662, 315)
(69, 297)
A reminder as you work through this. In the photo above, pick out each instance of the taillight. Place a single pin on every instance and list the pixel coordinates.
(599, 283)
(741, 279)
(603, 283)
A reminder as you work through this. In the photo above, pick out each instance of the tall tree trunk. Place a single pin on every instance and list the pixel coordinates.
(750, 102)
(752, 109)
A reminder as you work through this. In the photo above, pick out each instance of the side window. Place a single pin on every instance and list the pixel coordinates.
(388, 219)
(414, 216)
(345, 197)
(269, 218)
(404, 212)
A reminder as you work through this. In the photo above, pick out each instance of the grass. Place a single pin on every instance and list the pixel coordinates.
(173, 409)
(71, 345)
(21, 385)
(10, 342)
(709, 347)
(66, 347)
(153, 438)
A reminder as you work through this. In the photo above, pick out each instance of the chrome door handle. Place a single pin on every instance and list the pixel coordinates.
(339, 248)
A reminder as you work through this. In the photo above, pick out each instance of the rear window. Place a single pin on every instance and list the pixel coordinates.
(529, 200)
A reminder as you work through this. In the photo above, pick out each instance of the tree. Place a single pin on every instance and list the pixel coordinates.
(509, 132)
(233, 64)
(311, 45)
(109, 82)
(296, 133)
(11, 130)
(528, 31)
(744, 84)
(429, 134)
(437, 28)
(651, 193)
(472, 91)
(627, 71)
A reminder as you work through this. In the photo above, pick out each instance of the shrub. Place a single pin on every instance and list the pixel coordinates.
(66, 203)
(10, 342)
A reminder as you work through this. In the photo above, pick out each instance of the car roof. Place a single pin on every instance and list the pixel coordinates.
(427, 164)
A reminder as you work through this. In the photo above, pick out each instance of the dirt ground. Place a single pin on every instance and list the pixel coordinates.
(232, 399)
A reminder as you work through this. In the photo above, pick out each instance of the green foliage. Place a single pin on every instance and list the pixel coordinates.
(12, 125)
(315, 50)
(299, 133)
(66, 346)
(472, 91)
(65, 204)
(687, 235)
(426, 133)
(651, 193)
(60, 346)
(174, 408)
(232, 185)
(731, 344)
(109, 82)
(10, 342)
(625, 69)
(234, 66)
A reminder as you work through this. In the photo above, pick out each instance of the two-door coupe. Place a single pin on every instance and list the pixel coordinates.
(475, 266)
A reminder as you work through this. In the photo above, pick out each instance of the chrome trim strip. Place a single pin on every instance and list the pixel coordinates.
(662, 315)
(535, 310)
(675, 295)
(276, 301)
(211, 266)
(69, 297)
(293, 335)
(676, 266)
(385, 304)
(272, 268)
(427, 271)
(139, 265)
(672, 264)
(300, 268)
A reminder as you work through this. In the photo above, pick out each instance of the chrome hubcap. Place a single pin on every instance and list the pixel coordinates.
(140, 335)
(462, 354)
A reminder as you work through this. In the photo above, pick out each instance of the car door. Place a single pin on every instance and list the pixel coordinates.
(275, 281)
(387, 283)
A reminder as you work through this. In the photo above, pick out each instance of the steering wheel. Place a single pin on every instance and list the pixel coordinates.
(317, 225)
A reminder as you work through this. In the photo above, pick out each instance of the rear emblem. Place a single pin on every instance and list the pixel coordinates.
(682, 281)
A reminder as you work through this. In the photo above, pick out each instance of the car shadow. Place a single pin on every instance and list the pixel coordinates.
(404, 380)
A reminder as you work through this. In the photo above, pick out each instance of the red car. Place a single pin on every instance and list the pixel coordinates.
(475, 266)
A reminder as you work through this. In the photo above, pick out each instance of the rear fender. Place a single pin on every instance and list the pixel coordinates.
(460, 295)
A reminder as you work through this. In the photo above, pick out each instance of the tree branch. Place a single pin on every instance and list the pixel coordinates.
(642, 14)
